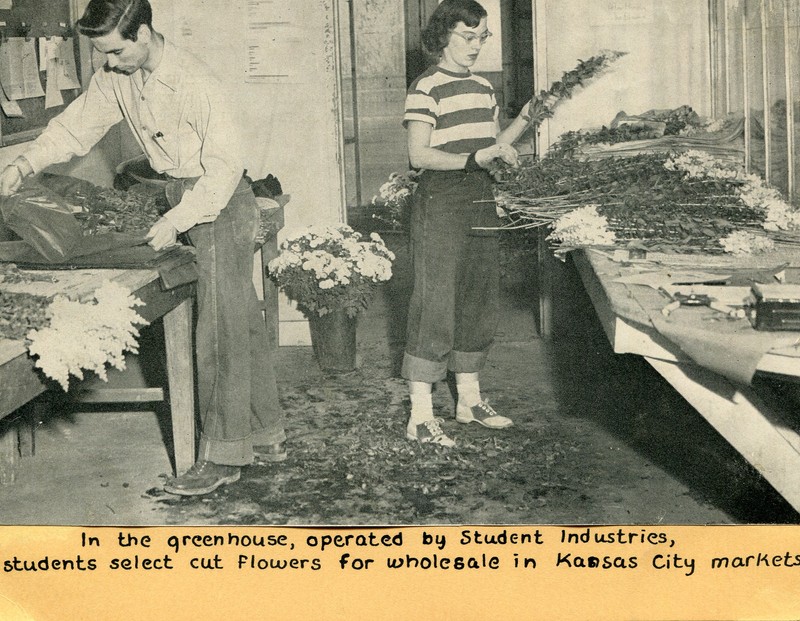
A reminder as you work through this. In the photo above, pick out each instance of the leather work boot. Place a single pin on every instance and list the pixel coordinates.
(202, 478)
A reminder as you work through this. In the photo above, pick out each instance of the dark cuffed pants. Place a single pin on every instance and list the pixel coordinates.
(238, 396)
(453, 311)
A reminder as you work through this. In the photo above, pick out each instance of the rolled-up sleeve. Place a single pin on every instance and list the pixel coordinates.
(420, 106)
(79, 127)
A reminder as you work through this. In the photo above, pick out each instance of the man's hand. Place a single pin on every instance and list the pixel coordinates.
(162, 235)
(11, 178)
(485, 158)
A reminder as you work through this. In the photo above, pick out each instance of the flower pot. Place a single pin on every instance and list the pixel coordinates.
(333, 339)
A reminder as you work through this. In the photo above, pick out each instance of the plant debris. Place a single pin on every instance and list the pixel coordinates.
(10, 274)
(20, 313)
(106, 210)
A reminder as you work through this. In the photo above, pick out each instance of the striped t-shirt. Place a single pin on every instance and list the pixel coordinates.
(461, 107)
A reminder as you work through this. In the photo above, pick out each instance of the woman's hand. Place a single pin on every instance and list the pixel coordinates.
(490, 156)
(525, 113)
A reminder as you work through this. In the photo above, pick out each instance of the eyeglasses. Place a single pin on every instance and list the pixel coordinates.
(471, 37)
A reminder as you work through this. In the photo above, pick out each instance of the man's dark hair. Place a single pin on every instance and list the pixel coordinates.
(443, 20)
(101, 17)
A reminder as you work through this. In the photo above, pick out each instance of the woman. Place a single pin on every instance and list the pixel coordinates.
(454, 136)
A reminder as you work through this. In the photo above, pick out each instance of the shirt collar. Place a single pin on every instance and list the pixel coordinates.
(168, 70)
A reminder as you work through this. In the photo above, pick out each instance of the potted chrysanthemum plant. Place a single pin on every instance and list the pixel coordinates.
(332, 273)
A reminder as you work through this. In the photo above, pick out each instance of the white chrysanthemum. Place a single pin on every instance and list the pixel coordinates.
(746, 242)
(701, 165)
(583, 227)
(331, 257)
(87, 336)
(398, 189)
(780, 216)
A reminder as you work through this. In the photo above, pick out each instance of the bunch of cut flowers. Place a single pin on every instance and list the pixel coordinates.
(544, 104)
(393, 201)
(330, 268)
(681, 202)
(73, 336)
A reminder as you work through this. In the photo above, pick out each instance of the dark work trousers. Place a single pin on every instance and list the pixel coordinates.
(238, 396)
(453, 311)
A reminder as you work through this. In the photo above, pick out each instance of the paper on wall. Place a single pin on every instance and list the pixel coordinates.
(68, 71)
(10, 108)
(19, 72)
(274, 35)
(61, 50)
(52, 97)
(42, 53)
(6, 5)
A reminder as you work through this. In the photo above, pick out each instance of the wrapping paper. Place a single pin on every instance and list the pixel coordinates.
(729, 347)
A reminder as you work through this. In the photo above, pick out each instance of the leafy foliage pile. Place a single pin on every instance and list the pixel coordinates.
(108, 210)
(639, 196)
(678, 121)
(20, 313)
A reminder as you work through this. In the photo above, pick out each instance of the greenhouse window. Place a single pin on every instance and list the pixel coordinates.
(755, 53)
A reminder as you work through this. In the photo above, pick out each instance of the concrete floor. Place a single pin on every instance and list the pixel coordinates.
(647, 456)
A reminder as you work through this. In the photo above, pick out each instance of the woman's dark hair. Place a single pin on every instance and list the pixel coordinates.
(101, 17)
(436, 35)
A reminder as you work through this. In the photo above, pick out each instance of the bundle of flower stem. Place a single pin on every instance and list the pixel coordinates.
(543, 105)
(646, 198)
(724, 139)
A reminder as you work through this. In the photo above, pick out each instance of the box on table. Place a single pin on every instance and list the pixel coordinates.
(777, 307)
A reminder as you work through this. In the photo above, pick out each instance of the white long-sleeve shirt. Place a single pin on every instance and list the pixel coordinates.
(180, 118)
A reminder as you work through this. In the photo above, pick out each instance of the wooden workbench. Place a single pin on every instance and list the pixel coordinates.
(20, 382)
(763, 430)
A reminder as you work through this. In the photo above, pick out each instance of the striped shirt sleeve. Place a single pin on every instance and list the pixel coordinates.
(420, 106)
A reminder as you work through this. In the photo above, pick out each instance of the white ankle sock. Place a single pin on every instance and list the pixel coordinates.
(421, 406)
(421, 409)
(469, 390)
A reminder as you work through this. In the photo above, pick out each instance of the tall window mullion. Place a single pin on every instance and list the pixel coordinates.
(755, 54)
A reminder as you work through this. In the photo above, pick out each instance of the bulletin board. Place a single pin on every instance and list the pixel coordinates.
(33, 19)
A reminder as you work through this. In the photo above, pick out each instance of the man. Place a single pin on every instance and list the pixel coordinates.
(178, 113)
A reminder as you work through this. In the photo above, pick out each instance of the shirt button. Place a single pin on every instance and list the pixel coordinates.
(142, 97)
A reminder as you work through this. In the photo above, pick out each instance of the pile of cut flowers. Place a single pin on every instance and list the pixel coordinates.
(673, 202)
(107, 210)
(67, 337)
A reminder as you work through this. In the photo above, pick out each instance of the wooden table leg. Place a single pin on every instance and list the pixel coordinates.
(180, 374)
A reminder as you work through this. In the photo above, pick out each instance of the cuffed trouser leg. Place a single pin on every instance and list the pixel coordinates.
(477, 305)
(453, 310)
(238, 399)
